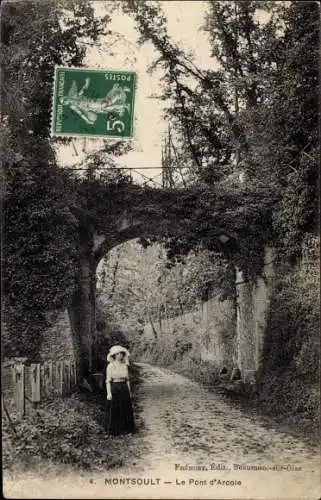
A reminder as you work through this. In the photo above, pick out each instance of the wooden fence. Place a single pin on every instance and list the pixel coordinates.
(24, 385)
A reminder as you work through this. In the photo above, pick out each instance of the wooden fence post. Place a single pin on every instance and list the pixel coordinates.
(60, 376)
(42, 382)
(35, 382)
(19, 388)
(72, 374)
(67, 376)
(47, 378)
(75, 372)
(50, 366)
(54, 376)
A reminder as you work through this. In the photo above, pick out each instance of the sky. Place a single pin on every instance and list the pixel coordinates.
(184, 19)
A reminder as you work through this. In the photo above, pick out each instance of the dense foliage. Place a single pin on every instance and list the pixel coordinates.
(256, 115)
(57, 34)
(284, 130)
(137, 286)
(290, 378)
(41, 225)
(40, 246)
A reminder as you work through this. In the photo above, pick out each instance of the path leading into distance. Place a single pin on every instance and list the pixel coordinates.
(196, 445)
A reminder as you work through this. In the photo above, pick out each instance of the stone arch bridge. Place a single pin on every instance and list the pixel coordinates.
(130, 211)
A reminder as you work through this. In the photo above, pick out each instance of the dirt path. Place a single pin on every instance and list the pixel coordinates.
(187, 429)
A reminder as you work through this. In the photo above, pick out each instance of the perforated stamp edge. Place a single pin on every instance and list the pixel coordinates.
(54, 134)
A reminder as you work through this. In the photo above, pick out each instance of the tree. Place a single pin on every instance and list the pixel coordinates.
(284, 131)
(137, 285)
(244, 117)
(58, 33)
(207, 110)
(41, 227)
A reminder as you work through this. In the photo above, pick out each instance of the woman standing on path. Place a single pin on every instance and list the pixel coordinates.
(119, 411)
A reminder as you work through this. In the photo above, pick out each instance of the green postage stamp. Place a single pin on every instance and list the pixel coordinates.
(93, 102)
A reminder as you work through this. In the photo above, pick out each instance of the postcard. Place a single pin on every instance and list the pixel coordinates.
(161, 242)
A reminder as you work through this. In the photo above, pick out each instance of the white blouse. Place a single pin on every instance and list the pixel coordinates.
(116, 370)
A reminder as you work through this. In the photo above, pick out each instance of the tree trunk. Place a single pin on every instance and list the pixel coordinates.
(152, 326)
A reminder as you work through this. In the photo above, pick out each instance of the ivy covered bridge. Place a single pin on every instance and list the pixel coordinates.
(182, 219)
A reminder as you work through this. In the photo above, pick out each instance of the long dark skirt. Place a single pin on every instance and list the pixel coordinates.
(119, 410)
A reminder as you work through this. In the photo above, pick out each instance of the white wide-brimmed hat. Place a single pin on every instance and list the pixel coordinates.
(115, 349)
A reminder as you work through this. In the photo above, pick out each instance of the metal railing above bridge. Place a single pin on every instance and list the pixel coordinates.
(166, 181)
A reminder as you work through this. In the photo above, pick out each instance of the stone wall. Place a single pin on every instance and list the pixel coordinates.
(222, 334)
(253, 300)
(217, 332)
(209, 328)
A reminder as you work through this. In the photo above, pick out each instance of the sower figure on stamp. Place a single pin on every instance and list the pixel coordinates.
(119, 410)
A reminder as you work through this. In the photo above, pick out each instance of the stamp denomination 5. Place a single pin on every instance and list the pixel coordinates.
(93, 102)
